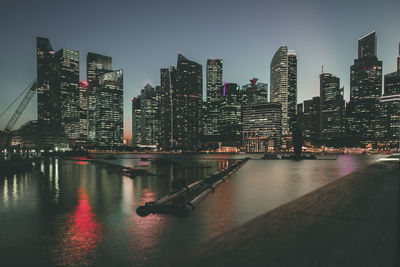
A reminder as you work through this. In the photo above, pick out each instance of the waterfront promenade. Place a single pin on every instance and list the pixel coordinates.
(353, 221)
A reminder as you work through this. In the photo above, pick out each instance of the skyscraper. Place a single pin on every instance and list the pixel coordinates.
(365, 90)
(312, 120)
(390, 105)
(136, 121)
(230, 117)
(283, 84)
(45, 56)
(261, 124)
(66, 83)
(187, 104)
(150, 116)
(256, 92)
(214, 83)
(109, 110)
(83, 110)
(332, 107)
(97, 65)
(167, 81)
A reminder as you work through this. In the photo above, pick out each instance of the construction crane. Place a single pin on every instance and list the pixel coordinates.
(31, 89)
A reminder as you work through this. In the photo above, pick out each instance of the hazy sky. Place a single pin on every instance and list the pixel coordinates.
(144, 36)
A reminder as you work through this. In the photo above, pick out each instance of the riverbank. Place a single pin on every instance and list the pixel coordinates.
(353, 221)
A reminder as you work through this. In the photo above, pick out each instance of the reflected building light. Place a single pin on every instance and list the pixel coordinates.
(57, 188)
(5, 192)
(15, 189)
(51, 174)
(127, 195)
(42, 166)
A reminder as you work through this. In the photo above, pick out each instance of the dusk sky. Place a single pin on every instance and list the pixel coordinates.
(144, 36)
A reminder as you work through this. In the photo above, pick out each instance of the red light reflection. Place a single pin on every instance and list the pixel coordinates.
(83, 235)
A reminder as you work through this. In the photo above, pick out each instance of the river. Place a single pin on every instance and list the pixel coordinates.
(78, 214)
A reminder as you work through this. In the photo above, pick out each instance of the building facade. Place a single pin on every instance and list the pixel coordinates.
(66, 82)
(187, 104)
(332, 108)
(365, 91)
(109, 110)
(283, 85)
(214, 78)
(261, 125)
(97, 65)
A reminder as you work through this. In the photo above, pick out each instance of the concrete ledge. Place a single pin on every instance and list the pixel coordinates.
(353, 221)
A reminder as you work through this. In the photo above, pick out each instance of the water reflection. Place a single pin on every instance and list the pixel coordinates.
(79, 214)
(82, 236)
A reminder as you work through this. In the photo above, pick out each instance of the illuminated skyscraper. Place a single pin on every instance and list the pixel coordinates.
(214, 83)
(66, 83)
(283, 84)
(312, 120)
(187, 104)
(167, 80)
(136, 121)
(230, 117)
(261, 124)
(109, 110)
(390, 105)
(365, 91)
(45, 56)
(97, 65)
(332, 107)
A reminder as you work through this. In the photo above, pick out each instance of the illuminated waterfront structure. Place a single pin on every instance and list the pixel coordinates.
(362, 112)
(332, 107)
(214, 78)
(167, 80)
(136, 121)
(312, 120)
(230, 116)
(261, 126)
(109, 110)
(187, 104)
(46, 95)
(150, 116)
(97, 65)
(66, 85)
(390, 105)
(283, 85)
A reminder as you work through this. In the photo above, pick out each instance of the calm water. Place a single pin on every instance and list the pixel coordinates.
(79, 214)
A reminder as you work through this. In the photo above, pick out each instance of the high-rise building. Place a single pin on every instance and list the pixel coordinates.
(109, 110)
(283, 85)
(212, 109)
(365, 91)
(167, 81)
(390, 107)
(83, 111)
(392, 80)
(261, 126)
(97, 65)
(256, 92)
(150, 116)
(187, 104)
(332, 107)
(45, 95)
(66, 83)
(312, 120)
(230, 117)
(136, 121)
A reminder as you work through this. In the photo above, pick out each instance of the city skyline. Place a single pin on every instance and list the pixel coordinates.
(239, 67)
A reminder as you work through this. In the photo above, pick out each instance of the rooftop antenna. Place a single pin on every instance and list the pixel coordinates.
(322, 69)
